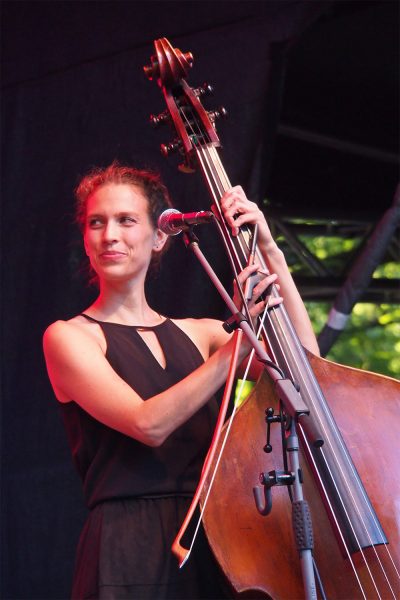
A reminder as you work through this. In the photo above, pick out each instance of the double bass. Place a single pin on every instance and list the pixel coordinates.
(351, 482)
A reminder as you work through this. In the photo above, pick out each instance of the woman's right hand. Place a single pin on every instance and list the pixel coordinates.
(254, 282)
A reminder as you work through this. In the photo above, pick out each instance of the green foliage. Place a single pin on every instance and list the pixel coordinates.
(243, 389)
(370, 340)
(391, 270)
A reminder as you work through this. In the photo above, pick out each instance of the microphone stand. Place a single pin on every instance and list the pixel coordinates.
(298, 413)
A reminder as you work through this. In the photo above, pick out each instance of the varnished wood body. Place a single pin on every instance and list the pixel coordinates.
(258, 553)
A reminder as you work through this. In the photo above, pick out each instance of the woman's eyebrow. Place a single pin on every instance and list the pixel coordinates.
(121, 213)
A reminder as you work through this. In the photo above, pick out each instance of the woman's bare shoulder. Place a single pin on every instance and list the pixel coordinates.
(73, 352)
(77, 329)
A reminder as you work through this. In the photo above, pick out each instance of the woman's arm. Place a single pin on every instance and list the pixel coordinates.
(238, 210)
(79, 371)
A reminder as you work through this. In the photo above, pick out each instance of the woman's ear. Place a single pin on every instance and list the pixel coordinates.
(160, 239)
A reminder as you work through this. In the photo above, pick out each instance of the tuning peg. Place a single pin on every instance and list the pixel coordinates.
(217, 114)
(167, 149)
(204, 90)
(148, 71)
(157, 120)
(186, 167)
(188, 56)
(152, 70)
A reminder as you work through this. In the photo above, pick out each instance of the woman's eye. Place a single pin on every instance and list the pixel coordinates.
(127, 220)
(95, 222)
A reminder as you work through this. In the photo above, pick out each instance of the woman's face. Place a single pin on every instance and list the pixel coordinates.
(119, 236)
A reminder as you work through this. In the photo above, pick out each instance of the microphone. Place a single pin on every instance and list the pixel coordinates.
(172, 222)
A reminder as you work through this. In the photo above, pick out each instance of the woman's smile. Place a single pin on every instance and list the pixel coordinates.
(112, 255)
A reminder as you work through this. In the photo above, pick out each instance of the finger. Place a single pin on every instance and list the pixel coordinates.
(264, 284)
(237, 205)
(232, 194)
(258, 308)
(237, 209)
(235, 231)
(236, 196)
(247, 272)
(274, 301)
(243, 217)
(228, 200)
(254, 282)
(231, 215)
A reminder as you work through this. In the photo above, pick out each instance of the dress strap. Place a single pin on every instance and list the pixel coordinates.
(89, 318)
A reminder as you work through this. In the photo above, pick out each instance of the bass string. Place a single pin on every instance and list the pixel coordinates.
(357, 510)
(215, 174)
(344, 477)
(243, 246)
(349, 462)
(348, 486)
(360, 549)
(327, 499)
(349, 489)
(218, 183)
(216, 188)
(205, 469)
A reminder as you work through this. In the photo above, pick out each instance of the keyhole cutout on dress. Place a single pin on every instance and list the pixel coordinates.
(151, 340)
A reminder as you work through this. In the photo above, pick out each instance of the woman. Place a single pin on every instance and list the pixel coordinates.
(136, 391)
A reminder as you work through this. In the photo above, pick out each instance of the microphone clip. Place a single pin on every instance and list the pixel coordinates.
(233, 322)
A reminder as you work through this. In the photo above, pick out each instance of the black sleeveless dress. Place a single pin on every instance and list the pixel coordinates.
(137, 495)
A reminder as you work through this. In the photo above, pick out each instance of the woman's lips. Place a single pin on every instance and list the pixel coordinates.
(112, 255)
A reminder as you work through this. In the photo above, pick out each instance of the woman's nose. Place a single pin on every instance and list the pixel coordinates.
(110, 232)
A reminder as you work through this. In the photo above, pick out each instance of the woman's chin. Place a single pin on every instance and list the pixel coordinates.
(117, 275)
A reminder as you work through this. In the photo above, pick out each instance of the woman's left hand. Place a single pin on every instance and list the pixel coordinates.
(239, 210)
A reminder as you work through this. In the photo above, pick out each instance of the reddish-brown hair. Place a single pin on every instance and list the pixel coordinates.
(147, 181)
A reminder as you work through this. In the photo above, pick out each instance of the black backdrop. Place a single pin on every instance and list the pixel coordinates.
(74, 95)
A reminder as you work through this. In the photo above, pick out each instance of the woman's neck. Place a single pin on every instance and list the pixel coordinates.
(124, 306)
